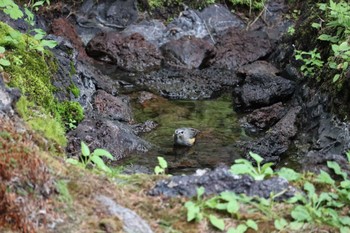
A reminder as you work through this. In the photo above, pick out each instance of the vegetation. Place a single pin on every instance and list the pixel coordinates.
(163, 165)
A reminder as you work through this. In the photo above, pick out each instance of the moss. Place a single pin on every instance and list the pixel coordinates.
(41, 121)
(71, 111)
(72, 69)
(75, 90)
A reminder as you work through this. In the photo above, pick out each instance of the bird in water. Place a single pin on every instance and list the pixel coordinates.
(185, 136)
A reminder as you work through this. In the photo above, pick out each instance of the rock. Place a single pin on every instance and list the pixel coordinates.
(239, 47)
(188, 84)
(113, 136)
(62, 27)
(260, 90)
(145, 127)
(131, 53)
(276, 141)
(220, 180)
(132, 222)
(8, 97)
(315, 161)
(188, 53)
(256, 68)
(113, 107)
(265, 117)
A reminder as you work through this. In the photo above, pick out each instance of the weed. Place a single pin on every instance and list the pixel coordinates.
(163, 165)
(312, 61)
(88, 158)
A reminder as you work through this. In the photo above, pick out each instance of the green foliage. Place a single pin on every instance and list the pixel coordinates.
(71, 112)
(87, 158)
(312, 61)
(252, 4)
(64, 195)
(243, 166)
(163, 165)
(10, 8)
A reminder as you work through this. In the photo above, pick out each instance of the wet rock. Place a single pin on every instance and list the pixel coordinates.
(62, 27)
(188, 84)
(265, 117)
(239, 47)
(132, 222)
(136, 169)
(219, 180)
(145, 127)
(257, 67)
(277, 140)
(113, 136)
(113, 107)
(260, 90)
(315, 161)
(188, 53)
(131, 53)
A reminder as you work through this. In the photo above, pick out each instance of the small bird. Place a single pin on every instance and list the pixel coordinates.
(185, 136)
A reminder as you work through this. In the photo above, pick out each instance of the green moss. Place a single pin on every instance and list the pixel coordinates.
(75, 90)
(72, 69)
(41, 121)
(71, 111)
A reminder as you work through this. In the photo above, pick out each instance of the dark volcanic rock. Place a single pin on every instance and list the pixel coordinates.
(277, 140)
(8, 97)
(219, 180)
(259, 90)
(239, 47)
(113, 136)
(189, 84)
(113, 107)
(131, 53)
(265, 117)
(187, 52)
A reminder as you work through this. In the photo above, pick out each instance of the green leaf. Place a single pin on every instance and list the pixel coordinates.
(102, 152)
(256, 157)
(336, 168)
(162, 162)
(289, 174)
(324, 177)
(228, 196)
(85, 149)
(100, 164)
(345, 220)
(2, 49)
(72, 161)
(200, 192)
(233, 206)
(217, 222)
(296, 225)
(301, 214)
(48, 43)
(310, 188)
(344, 229)
(336, 77)
(239, 169)
(252, 224)
(266, 169)
(316, 25)
(193, 212)
(280, 223)
(4, 62)
(158, 170)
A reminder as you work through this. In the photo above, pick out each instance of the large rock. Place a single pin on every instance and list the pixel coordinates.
(189, 84)
(219, 180)
(131, 53)
(260, 90)
(188, 52)
(113, 136)
(238, 47)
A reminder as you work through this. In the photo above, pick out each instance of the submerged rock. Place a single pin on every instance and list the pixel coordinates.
(219, 180)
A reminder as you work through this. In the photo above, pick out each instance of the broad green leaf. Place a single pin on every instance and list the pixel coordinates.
(239, 169)
(72, 161)
(228, 196)
(344, 229)
(266, 169)
(102, 152)
(2, 49)
(252, 224)
(200, 192)
(217, 222)
(336, 168)
(345, 220)
(310, 188)
(85, 149)
(233, 206)
(345, 184)
(280, 223)
(316, 25)
(336, 77)
(192, 211)
(158, 170)
(48, 43)
(301, 214)
(289, 174)
(100, 164)
(162, 162)
(324, 177)
(256, 157)
(4, 62)
(296, 225)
